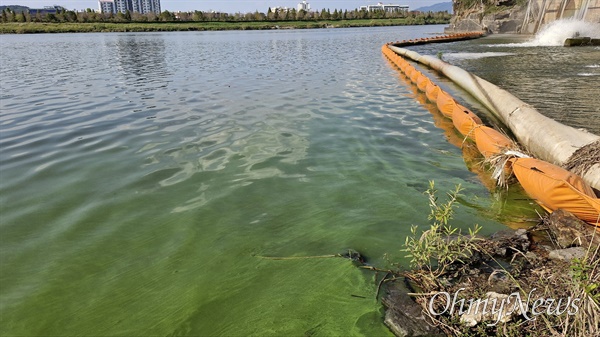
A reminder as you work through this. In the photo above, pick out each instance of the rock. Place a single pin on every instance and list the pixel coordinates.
(405, 317)
(581, 41)
(499, 281)
(568, 231)
(532, 257)
(505, 2)
(567, 254)
(479, 311)
(521, 232)
(469, 22)
(354, 256)
(502, 21)
(514, 239)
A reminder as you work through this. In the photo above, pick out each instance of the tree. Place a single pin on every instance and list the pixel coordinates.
(93, 16)
(270, 14)
(198, 16)
(106, 17)
(120, 17)
(258, 16)
(363, 14)
(138, 17)
(184, 16)
(152, 16)
(70, 16)
(60, 16)
(167, 16)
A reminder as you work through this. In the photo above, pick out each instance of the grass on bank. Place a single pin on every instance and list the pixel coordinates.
(440, 254)
(68, 27)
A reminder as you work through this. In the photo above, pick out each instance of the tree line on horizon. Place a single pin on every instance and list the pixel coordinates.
(90, 15)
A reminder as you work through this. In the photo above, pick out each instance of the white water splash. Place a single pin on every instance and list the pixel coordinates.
(473, 56)
(555, 33)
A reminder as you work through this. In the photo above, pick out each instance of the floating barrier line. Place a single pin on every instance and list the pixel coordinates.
(544, 137)
(550, 185)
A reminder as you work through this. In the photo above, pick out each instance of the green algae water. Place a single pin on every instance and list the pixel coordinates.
(144, 178)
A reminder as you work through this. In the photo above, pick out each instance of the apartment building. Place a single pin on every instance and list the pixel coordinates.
(133, 6)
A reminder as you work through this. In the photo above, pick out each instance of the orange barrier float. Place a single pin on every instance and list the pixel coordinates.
(445, 103)
(423, 82)
(432, 92)
(415, 75)
(491, 142)
(551, 186)
(554, 187)
(438, 39)
(465, 121)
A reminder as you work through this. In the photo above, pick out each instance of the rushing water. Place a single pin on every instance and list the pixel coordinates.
(562, 83)
(145, 176)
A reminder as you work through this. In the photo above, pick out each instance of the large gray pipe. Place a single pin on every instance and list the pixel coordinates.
(543, 137)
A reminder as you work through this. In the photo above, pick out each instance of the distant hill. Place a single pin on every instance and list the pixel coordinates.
(441, 7)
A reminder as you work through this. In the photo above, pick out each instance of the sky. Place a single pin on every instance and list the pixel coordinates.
(227, 6)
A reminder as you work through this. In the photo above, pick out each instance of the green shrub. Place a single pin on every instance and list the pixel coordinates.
(442, 245)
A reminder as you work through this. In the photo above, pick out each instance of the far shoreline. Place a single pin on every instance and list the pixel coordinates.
(109, 27)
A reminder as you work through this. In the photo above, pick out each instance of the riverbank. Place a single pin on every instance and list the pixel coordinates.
(515, 283)
(97, 27)
(543, 281)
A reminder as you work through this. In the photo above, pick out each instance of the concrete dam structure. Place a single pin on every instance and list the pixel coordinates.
(506, 16)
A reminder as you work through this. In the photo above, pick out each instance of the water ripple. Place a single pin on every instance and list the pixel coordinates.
(146, 171)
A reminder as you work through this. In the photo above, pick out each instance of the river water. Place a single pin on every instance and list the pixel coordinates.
(561, 83)
(144, 178)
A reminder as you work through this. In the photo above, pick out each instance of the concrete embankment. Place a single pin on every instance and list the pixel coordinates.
(581, 41)
(508, 16)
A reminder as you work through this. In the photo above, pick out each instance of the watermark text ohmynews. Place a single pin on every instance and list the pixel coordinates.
(502, 306)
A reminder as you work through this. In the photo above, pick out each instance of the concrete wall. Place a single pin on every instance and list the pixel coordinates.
(527, 19)
(542, 12)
